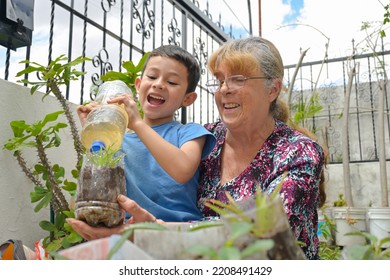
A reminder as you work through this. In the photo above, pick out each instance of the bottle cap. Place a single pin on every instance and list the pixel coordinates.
(97, 146)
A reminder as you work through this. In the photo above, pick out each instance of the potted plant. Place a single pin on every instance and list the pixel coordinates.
(255, 228)
(51, 186)
(101, 180)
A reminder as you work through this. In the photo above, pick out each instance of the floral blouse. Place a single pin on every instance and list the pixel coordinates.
(285, 150)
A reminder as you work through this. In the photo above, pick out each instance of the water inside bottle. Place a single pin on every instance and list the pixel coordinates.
(107, 132)
(106, 124)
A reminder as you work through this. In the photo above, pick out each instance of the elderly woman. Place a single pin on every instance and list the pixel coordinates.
(254, 148)
(254, 145)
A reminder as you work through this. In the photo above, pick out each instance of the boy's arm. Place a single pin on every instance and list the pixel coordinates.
(180, 163)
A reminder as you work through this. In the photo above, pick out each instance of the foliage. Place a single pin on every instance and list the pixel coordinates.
(340, 202)
(108, 158)
(372, 250)
(306, 108)
(328, 251)
(49, 179)
(242, 226)
(386, 19)
(128, 77)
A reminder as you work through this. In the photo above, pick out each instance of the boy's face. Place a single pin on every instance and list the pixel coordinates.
(162, 89)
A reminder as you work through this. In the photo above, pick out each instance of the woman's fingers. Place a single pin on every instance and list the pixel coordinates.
(138, 213)
(91, 233)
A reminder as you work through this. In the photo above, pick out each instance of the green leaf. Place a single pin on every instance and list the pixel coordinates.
(129, 66)
(69, 214)
(259, 245)
(45, 201)
(38, 194)
(59, 220)
(239, 229)
(46, 225)
(74, 237)
(141, 63)
(358, 252)
(51, 117)
(203, 225)
(29, 70)
(69, 186)
(54, 246)
(229, 253)
(112, 76)
(19, 127)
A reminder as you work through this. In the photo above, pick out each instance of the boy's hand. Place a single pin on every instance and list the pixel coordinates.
(84, 110)
(130, 107)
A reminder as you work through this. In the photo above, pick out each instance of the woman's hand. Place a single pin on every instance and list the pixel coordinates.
(138, 215)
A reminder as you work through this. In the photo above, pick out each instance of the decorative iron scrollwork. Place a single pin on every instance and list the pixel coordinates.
(219, 23)
(172, 28)
(107, 4)
(146, 20)
(201, 54)
(207, 13)
(101, 60)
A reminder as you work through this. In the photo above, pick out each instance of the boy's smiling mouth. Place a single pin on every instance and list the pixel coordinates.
(155, 99)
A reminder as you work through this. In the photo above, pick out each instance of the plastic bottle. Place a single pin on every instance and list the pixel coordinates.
(100, 184)
(106, 125)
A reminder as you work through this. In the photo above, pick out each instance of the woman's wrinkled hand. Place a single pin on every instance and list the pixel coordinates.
(138, 215)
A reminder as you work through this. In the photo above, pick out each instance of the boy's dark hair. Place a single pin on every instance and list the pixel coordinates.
(182, 56)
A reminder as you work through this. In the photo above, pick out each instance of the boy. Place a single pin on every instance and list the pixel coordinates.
(163, 155)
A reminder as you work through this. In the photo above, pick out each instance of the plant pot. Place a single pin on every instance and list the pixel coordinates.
(97, 192)
(349, 219)
(172, 244)
(378, 223)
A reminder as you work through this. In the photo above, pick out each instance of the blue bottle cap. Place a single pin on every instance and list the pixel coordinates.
(97, 146)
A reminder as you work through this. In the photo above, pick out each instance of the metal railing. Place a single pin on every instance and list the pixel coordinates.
(328, 79)
(110, 32)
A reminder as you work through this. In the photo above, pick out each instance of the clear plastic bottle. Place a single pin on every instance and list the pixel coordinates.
(106, 125)
(101, 178)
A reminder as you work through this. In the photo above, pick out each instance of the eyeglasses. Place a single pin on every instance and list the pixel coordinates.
(232, 83)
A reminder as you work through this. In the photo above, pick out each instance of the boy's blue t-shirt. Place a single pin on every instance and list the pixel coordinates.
(151, 187)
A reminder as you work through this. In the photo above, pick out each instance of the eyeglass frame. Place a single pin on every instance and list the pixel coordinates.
(221, 82)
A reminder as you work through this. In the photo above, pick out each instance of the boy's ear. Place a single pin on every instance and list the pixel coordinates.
(189, 98)
(137, 83)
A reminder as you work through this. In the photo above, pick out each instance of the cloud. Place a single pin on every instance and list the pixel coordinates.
(318, 22)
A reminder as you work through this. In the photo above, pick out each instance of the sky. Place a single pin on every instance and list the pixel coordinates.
(295, 25)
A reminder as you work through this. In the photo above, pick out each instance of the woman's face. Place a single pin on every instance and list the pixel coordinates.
(248, 105)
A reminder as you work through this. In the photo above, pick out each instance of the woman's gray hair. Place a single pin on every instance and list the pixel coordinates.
(265, 52)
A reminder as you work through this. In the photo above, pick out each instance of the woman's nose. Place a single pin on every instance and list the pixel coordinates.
(224, 88)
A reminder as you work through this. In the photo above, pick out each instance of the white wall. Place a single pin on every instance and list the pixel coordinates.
(17, 217)
(365, 183)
